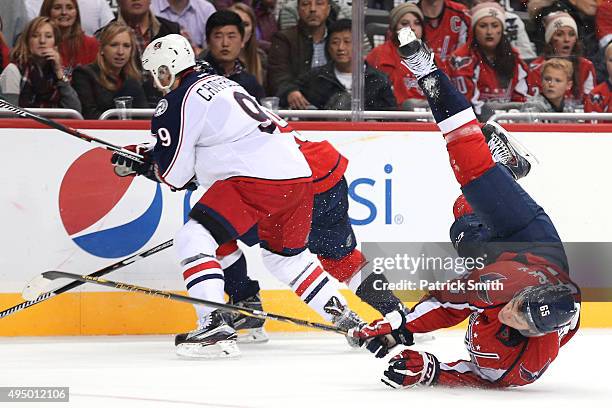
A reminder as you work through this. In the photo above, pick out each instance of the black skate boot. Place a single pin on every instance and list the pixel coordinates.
(344, 318)
(415, 55)
(506, 150)
(250, 329)
(214, 338)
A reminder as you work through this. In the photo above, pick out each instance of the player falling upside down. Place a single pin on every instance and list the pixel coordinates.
(514, 334)
(208, 128)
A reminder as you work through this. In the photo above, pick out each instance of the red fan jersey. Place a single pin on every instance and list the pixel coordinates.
(586, 79)
(499, 355)
(478, 81)
(449, 31)
(385, 58)
(600, 100)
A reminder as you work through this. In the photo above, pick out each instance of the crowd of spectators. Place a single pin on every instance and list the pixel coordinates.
(539, 55)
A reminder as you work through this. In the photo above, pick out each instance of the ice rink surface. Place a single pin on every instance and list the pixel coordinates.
(299, 370)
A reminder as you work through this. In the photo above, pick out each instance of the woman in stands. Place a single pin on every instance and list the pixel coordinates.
(253, 57)
(113, 74)
(385, 58)
(35, 77)
(488, 69)
(4, 50)
(561, 37)
(76, 48)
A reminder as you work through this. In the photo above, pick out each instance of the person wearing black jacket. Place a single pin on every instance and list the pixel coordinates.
(113, 74)
(329, 86)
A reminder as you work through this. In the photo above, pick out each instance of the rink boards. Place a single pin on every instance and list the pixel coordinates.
(62, 208)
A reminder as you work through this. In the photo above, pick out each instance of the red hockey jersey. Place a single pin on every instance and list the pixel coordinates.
(603, 22)
(586, 79)
(477, 80)
(499, 355)
(450, 31)
(600, 99)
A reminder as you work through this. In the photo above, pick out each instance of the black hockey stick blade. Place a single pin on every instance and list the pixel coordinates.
(259, 314)
(101, 272)
(71, 131)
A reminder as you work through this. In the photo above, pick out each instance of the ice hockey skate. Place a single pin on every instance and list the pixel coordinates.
(344, 318)
(214, 338)
(249, 329)
(415, 55)
(506, 150)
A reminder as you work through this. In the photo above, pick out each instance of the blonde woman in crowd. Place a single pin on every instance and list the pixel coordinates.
(253, 57)
(35, 77)
(113, 74)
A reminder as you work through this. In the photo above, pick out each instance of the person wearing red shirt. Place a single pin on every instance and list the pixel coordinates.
(447, 26)
(75, 47)
(562, 41)
(530, 308)
(600, 99)
(488, 69)
(386, 59)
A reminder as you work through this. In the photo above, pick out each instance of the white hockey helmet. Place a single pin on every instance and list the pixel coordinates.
(167, 56)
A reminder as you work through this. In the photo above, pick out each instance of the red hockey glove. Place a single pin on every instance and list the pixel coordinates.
(382, 335)
(412, 368)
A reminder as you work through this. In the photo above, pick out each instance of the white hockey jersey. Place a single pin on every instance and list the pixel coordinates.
(211, 128)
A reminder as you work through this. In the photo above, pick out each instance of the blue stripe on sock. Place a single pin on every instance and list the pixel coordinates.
(203, 278)
(316, 290)
(444, 98)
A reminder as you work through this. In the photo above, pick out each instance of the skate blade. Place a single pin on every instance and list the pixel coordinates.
(221, 349)
(253, 336)
(423, 337)
(522, 150)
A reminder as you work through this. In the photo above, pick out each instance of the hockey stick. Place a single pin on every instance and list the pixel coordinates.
(72, 285)
(67, 129)
(36, 287)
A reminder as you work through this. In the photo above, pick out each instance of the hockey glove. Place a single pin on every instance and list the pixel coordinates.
(382, 335)
(124, 166)
(412, 368)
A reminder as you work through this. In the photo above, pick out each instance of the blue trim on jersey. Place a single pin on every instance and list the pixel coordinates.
(229, 228)
(203, 278)
(316, 290)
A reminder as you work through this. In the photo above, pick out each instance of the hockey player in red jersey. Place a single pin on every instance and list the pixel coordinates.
(514, 333)
(209, 129)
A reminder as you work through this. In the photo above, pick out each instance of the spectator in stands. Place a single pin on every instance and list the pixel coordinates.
(329, 86)
(4, 49)
(15, 17)
(447, 26)
(557, 77)
(288, 14)
(254, 58)
(600, 99)
(94, 13)
(113, 74)
(385, 57)
(296, 51)
(582, 11)
(146, 26)
(266, 14)
(35, 77)
(75, 47)
(562, 41)
(603, 23)
(191, 15)
(224, 36)
(487, 69)
(515, 32)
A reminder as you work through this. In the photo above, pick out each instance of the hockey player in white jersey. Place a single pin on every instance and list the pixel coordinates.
(209, 129)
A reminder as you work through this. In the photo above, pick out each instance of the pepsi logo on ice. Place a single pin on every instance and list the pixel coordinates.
(97, 212)
(369, 193)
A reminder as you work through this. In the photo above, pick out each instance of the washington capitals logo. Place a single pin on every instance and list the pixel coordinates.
(529, 376)
(483, 294)
(493, 13)
(459, 62)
